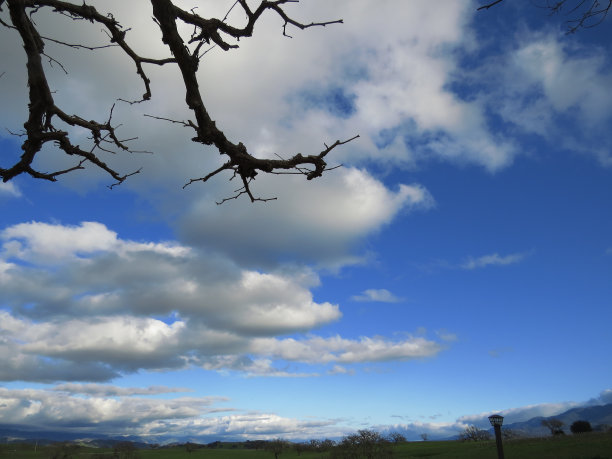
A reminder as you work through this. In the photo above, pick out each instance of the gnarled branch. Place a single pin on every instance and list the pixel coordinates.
(586, 13)
(44, 114)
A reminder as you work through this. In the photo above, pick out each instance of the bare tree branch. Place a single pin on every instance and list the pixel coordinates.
(44, 114)
(489, 5)
(586, 13)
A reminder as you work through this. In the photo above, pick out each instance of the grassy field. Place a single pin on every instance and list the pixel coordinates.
(585, 446)
(589, 446)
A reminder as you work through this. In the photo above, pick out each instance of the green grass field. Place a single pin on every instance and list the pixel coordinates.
(585, 446)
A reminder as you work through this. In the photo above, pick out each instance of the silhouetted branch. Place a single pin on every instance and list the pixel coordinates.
(246, 167)
(486, 7)
(588, 13)
(44, 113)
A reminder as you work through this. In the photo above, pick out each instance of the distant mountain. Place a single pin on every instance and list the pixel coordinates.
(11, 434)
(596, 415)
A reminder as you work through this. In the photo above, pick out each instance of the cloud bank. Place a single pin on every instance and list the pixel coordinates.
(80, 303)
(95, 409)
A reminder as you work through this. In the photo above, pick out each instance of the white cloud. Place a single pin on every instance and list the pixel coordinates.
(37, 241)
(444, 430)
(113, 276)
(122, 413)
(493, 259)
(518, 414)
(545, 82)
(9, 188)
(569, 79)
(399, 84)
(107, 390)
(112, 410)
(319, 222)
(603, 398)
(105, 306)
(377, 295)
(341, 350)
(42, 408)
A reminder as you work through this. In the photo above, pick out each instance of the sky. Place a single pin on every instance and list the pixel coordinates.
(458, 264)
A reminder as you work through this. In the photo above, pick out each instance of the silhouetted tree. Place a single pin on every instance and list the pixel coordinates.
(326, 445)
(300, 448)
(277, 446)
(396, 437)
(255, 444)
(365, 444)
(424, 436)
(320, 445)
(125, 450)
(47, 123)
(62, 450)
(554, 425)
(473, 433)
(581, 427)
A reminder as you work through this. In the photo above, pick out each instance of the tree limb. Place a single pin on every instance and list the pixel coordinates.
(44, 113)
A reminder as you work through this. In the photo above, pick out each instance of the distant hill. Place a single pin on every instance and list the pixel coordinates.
(11, 434)
(596, 415)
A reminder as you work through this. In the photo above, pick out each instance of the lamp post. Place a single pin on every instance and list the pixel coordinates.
(496, 421)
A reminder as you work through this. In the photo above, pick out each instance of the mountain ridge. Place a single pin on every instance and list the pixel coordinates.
(596, 415)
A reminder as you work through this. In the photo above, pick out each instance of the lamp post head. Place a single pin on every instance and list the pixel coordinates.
(496, 420)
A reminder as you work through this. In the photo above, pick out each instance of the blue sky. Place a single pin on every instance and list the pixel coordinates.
(458, 264)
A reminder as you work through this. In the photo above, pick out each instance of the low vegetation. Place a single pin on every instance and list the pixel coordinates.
(364, 444)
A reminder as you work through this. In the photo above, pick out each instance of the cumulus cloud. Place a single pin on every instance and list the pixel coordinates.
(603, 398)
(341, 350)
(377, 295)
(570, 79)
(324, 84)
(94, 413)
(116, 411)
(320, 223)
(80, 303)
(548, 80)
(39, 241)
(114, 276)
(112, 410)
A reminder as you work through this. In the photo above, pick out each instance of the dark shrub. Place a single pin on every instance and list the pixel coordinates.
(581, 427)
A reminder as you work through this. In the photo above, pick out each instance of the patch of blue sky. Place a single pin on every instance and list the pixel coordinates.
(414, 140)
(113, 207)
(168, 319)
(422, 141)
(386, 137)
(334, 100)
